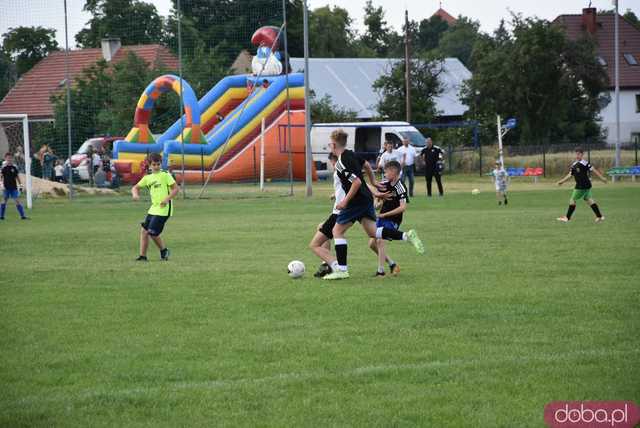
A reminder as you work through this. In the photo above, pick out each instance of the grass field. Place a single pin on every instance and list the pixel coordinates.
(508, 311)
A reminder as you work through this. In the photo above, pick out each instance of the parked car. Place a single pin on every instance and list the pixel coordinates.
(100, 144)
(364, 137)
(80, 161)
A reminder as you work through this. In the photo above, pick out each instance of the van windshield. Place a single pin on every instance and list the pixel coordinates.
(415, 138)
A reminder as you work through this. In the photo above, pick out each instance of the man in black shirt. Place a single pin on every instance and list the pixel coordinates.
(10, 180)
(433, 163)
(580, 170)
(357, 204)
(388, 224)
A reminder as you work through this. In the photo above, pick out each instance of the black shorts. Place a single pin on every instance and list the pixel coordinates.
(327, 227)
(154, 224)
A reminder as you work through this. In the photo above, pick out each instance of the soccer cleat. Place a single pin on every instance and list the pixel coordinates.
(25, 218)
(395, 269)
(563, 219)
(413, 238)
(323, 270)
(599, 219)
(379, 275)
(164, 254)
(141, 259)
(336, 275)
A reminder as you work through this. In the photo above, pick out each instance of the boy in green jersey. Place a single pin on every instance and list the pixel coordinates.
(580, 170)
(162, 188)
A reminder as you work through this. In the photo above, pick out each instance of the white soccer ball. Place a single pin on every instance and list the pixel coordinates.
(295, 269)
(475, 192)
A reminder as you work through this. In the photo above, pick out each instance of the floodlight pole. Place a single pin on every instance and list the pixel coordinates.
(617, 79)
(68, 95)
(308, 157)
(286, 79)
(407, 66)
(499, 122)
(179, 12)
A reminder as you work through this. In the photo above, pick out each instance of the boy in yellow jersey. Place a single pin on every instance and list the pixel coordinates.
(162, 188)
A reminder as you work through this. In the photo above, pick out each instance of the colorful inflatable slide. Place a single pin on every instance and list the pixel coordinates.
(226, 124)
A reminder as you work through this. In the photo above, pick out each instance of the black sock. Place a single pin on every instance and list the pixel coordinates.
(505, 199)
(340, 246)
(596, 210)
(394, 235)
(570, 211)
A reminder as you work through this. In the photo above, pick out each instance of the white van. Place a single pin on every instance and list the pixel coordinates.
(364, 137)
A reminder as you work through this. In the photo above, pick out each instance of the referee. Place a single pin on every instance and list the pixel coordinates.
(433, 164)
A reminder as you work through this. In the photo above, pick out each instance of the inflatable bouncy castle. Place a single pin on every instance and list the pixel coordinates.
(223, 128)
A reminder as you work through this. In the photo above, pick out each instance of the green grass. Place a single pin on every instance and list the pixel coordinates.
(508, 311)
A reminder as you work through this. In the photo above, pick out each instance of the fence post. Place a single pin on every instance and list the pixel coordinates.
(202, 163)
(480, 152)
(636, 146)
(450, 160)
(544, 159)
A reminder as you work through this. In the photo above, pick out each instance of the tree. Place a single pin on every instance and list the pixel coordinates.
(133, 21)
(104, 98)
(425, 85)
(332, 33)
(429, 32)
(7, 73)
(632, 18)
(376, 36)
(324, 110)
(551, 84)
(28, 45)
(458, 40)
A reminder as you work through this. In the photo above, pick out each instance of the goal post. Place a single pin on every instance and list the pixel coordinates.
(26, 143)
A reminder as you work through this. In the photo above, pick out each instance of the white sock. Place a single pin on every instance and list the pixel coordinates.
(380, 269)
(342, 268)
(335, 266)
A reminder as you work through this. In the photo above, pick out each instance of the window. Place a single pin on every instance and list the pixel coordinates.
(602, 61)
(631, 60)
(637, 103)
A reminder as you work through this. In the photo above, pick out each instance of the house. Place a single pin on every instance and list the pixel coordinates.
(601, 28)
(349, 82)
(31, 94)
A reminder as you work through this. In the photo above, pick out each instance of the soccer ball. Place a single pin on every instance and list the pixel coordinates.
(295, 269)
(475, 192)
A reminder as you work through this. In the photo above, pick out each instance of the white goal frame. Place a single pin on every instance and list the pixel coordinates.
(27, 151)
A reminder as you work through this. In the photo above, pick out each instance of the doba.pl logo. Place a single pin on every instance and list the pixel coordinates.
(592, 414)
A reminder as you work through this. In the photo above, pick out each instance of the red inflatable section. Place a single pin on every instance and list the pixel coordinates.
(245, 165)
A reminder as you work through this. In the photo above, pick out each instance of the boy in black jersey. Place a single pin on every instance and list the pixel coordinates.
(390, 218)
(580, 171)
(10, 180)
(357, 204)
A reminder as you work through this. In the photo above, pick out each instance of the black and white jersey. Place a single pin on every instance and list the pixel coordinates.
(398, 193)
(431, 156)
(348, 168)
(580, 171)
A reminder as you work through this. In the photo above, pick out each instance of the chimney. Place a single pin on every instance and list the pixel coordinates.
(589, 20)
(109, 47)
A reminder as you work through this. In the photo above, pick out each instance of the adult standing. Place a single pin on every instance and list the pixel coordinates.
(388, 155)
(407, 155)
(433, 160)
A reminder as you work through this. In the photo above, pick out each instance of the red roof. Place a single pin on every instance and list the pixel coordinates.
(31, 93)
(604, 35)
(445, 16)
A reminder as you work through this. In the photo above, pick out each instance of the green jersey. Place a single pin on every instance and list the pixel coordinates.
(159, 185)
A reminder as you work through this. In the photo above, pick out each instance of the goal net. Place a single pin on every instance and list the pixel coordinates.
(14, 138)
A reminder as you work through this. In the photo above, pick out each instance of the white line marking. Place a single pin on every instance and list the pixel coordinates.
(305, 376)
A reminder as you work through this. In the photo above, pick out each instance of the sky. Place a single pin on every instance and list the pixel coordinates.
(50, 13)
